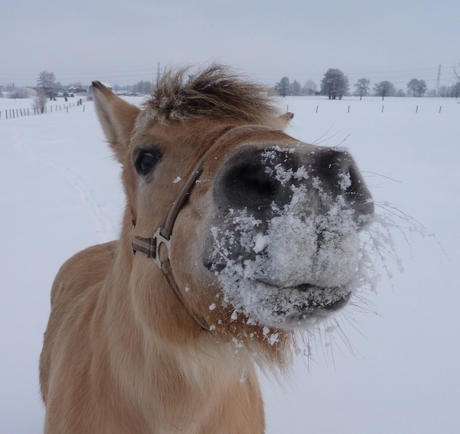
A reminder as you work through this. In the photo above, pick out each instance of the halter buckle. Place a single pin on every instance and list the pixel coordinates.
(158, 240)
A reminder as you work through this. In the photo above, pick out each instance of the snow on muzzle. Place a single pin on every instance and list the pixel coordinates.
(284, 237)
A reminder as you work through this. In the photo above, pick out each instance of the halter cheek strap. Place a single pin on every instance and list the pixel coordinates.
(151, 246)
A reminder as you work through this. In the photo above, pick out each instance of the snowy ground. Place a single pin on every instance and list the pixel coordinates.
(61, 193)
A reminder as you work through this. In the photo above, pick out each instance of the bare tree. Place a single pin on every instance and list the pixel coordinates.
(417, 87)
(310, 88)
(143, 87)
(422, 88)
(334, 84)
(457, 72)
(384, 88)
(446, 91)
(296, 88)
(412, 86)
(362, 87)
(46, 83)
(456, 90)
(283, 87)
(40, 102)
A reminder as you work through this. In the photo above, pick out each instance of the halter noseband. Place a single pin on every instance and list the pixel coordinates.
(151, 246)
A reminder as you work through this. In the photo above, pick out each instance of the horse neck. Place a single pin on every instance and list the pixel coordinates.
(149, 302)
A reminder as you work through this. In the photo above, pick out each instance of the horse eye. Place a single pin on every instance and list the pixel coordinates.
(146, 161)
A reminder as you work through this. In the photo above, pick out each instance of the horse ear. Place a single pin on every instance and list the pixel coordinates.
(117, 118)
(281, 122)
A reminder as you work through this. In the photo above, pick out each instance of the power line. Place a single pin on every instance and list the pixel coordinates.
(151, 73)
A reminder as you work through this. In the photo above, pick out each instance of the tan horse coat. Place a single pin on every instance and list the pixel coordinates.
(121, 354)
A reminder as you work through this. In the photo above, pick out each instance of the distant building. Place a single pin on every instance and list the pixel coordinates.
(30, 92)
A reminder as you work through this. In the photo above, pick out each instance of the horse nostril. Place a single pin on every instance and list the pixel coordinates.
(213, 266)
(247, 182)
(256, 183)
(249, 185)
(339, 175)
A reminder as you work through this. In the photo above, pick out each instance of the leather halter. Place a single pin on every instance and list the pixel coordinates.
(151, 246)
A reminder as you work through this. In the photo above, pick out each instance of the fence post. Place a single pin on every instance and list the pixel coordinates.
(348, 109)
(317, 108)
(440, 107)
(416, 109)
(383, 108)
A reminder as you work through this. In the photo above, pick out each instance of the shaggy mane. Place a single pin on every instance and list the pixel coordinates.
(214, 92)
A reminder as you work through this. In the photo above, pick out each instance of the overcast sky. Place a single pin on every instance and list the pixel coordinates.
(122, 41)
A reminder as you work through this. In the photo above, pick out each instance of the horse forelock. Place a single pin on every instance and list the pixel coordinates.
(213, 93)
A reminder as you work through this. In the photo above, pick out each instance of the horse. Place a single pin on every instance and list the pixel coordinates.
(235, 238)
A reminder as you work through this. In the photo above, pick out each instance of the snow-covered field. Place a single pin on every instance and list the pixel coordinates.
(397, 369)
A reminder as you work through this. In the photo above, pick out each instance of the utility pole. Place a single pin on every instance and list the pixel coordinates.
(438, 81)
(158, 72)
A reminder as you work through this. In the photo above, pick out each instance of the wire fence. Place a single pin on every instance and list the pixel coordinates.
(381, 109)
(15, 113)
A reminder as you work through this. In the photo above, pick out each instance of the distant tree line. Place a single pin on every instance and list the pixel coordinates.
(450, 91)
(335, 85)
(286, 88)
(140, 88)
(48, 86)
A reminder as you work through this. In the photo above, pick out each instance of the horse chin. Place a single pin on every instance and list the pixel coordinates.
(298, 307)
(303, 306)
(307, 314)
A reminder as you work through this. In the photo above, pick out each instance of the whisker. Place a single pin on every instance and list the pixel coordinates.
(381, 176)
(315, 142)
(344, 140)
